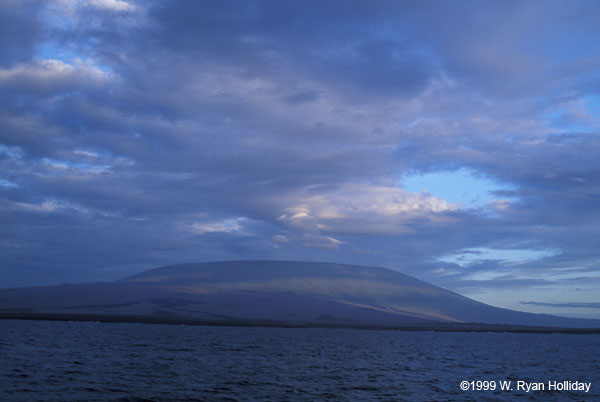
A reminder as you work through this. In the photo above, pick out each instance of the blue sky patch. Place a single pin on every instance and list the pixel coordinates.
(462, 186)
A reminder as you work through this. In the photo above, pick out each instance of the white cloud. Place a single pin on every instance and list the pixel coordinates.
(50, 75)
(468, 257)
(231, 225)
(50, 205)
(67, 167)
(114, 5)
(361, 209)
(69, 7)
(320, 241)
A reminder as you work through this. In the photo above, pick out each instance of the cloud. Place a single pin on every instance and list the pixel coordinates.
(114, 5)
(362, 209)
(135, 134)
(71, 8)
(51, 77)
(234, 225)
(302, 97)
(503, 283)
(20, 30)
(569, 304)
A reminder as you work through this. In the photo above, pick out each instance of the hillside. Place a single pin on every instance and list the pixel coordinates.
(272, 291)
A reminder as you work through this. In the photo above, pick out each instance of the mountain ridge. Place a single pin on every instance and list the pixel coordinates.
(289, 292)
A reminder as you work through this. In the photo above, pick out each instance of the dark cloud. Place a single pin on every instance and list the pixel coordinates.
(20, 30)
(135, 134)
(302, 97)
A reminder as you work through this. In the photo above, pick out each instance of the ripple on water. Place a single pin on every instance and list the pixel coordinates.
(71, 361)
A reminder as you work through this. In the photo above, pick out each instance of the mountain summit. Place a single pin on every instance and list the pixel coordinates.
(287, 292)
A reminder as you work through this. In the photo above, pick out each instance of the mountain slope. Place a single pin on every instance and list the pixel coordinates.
(282, 291)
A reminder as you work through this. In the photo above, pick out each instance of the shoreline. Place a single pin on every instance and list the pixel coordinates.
(435, 327)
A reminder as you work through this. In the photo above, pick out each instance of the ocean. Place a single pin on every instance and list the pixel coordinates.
(87, 361)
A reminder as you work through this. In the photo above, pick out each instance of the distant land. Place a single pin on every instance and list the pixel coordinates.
(275, 293)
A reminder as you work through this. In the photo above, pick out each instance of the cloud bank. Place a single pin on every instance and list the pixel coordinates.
(136, 134)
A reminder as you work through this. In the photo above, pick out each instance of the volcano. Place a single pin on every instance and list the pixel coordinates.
(275, 292)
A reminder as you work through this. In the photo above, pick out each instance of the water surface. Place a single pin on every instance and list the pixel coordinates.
(85, 361)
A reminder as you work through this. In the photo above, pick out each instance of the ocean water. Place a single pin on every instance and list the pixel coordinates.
(85, 361)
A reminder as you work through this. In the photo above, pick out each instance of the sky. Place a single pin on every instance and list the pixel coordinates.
(458, 142)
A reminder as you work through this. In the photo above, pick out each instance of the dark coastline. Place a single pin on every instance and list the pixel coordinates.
(436, 327)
